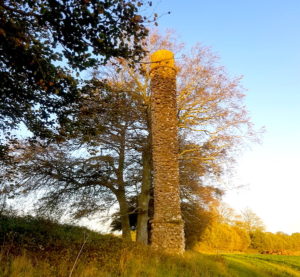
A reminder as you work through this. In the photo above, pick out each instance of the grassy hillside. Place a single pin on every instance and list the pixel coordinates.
(38, 247)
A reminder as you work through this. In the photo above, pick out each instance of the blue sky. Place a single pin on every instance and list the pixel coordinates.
(261, 41)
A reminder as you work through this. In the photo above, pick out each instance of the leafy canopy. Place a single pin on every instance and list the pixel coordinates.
(43, 44)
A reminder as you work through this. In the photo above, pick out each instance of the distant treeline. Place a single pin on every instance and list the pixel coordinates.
(230, 237)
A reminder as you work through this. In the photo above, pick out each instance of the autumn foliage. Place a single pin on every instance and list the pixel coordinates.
(101, 156)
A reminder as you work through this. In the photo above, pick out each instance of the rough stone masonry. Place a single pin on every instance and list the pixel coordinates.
(167, 224)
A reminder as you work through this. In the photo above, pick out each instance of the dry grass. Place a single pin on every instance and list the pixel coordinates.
(39, 248)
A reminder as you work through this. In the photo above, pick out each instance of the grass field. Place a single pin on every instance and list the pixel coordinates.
(137, 262)
(262, 265)
(39, 248)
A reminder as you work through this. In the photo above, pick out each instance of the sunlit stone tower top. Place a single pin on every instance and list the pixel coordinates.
(162, 58)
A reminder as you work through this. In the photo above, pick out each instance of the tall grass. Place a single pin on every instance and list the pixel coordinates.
(36, 247)
(130, 264)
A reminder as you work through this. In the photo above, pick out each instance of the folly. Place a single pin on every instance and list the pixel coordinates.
(167, 224)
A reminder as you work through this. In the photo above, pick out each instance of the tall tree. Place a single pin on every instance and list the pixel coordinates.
(250, 221)
(93, 160)
(44, 43)
(211, 117)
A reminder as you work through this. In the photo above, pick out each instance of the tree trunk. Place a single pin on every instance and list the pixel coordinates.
(144, 197)
(121, 197)
(124, 214)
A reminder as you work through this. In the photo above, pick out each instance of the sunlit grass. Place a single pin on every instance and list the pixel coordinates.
(141, 261)
(38, 248)
(136, 262)
(263, 265)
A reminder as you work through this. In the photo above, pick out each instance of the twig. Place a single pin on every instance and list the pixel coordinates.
(84, 242)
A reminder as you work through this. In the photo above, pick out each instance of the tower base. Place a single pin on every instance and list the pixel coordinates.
(168, 236)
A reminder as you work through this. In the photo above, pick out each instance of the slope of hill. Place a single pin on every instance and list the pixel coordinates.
(37, 247)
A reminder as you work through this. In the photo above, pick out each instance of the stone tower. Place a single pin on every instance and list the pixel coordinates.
(167, 224)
